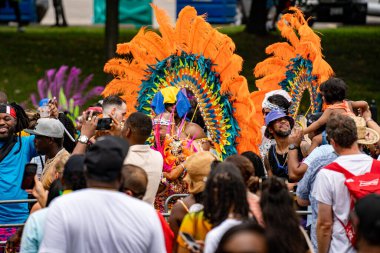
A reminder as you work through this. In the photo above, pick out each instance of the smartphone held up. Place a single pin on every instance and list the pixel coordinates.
(190, 241)
(28, 179)
(104, 124)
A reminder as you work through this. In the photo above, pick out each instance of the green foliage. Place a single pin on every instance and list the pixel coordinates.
(352, 52)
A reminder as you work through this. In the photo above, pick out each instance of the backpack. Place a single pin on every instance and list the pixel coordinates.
(358, 186)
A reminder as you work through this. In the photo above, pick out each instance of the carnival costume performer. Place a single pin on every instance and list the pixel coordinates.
(195, 56)
(295, 66)
(172, 140)
(157, 75)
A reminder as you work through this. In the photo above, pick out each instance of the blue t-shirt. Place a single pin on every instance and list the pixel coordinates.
(11, 174)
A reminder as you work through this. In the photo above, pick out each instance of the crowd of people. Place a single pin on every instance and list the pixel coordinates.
(102, 186)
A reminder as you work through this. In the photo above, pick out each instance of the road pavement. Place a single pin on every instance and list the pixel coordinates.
(80, 13)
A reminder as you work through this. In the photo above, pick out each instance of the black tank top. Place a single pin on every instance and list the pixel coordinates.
(279, 163)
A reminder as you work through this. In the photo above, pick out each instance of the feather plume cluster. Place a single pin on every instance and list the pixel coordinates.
(151, 69)
(295, 66)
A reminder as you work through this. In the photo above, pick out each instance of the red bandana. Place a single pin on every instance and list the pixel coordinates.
(8, 110)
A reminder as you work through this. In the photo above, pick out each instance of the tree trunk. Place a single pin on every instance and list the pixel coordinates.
(112, 27)
(257, 18)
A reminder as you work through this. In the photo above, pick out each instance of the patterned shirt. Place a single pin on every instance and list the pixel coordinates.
(319, 158)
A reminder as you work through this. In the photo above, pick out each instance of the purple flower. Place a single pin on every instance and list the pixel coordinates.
(65, 85)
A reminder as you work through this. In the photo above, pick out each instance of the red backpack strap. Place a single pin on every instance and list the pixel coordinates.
(375, 169)
(337, 168)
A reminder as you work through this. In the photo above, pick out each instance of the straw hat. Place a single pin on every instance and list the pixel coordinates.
(198, 167)
(366, 136)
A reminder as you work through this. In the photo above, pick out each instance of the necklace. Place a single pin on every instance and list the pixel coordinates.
(285, 156)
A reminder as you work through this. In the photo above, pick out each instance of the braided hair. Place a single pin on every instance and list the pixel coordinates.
(224, 190)
(22, 122)
(281, 220)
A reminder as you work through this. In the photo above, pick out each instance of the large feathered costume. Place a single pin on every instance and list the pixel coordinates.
(295, 66)
(192, 55)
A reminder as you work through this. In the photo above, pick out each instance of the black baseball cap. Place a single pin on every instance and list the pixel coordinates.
(75, 163)
(104, 160)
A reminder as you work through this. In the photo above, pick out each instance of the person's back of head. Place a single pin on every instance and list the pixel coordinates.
(333, 90)
(73, 174)
(367, 214)
(225, 194)
(256, 162)
(103, 162)
(246, 237)
(246, 169)
(342, 130)
(138, 128)
(55, 190)
(134, 181)
(281, 220)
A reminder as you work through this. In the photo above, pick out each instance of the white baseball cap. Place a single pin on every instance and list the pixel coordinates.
(48, 127)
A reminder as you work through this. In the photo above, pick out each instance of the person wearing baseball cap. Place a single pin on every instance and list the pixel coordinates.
(104, 160)
(100, 218)
(49, 134)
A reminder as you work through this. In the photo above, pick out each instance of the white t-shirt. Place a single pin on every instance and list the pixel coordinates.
(213, 237)
(329, 189)
(97, 220)
(152, 162)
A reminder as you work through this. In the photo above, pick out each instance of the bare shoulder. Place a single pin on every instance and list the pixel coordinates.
(194, 130)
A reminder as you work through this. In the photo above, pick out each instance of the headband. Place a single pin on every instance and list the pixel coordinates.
(8, 110)
(272, 107)
(162, 122)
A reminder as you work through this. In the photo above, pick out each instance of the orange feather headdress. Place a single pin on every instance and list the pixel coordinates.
(295, 66)
(192, 55)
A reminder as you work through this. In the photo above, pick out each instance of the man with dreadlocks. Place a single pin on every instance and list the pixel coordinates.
(15, 152)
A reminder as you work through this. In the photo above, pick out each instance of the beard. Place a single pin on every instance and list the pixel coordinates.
(283, 134)
(9, 134)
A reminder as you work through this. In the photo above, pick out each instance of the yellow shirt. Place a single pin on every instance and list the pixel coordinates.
(194, 224)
